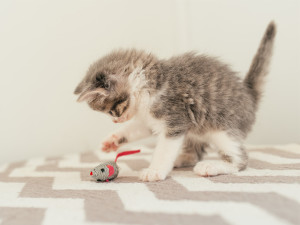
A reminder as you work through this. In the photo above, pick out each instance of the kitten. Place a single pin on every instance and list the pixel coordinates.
(190, 101)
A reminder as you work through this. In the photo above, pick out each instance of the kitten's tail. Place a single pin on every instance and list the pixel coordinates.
(259, 68)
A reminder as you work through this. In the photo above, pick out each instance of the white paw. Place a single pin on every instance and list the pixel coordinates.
(213, 168)
(152, 175)
(111, 143)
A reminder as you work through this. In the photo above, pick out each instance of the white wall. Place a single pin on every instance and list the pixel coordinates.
(46, 47)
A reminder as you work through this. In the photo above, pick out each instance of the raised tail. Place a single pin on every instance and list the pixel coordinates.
(255, 77)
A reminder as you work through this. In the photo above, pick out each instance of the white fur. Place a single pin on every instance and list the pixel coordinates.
(137, 80)
(143, 114)
(163, 159)
(221, 142)
(143, 101)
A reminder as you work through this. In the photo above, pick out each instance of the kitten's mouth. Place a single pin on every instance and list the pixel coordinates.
(119, 120)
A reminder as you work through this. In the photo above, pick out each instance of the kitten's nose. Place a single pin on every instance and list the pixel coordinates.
(91, 173)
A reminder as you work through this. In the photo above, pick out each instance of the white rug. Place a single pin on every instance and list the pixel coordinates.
(54, 191)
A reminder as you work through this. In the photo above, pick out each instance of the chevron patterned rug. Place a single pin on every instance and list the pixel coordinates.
(54, 191)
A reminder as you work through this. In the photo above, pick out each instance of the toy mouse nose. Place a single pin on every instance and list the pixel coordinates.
(91, 173)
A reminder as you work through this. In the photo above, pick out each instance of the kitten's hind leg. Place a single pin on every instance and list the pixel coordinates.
(191, 153)
(234, 157)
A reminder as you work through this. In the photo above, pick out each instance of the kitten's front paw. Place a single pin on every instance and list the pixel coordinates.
(152, 175)
(111, 144)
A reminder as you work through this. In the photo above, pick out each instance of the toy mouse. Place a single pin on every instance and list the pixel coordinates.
(108, 171)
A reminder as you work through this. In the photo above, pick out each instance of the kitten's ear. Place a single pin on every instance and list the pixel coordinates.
(91, 95)
(79, 88)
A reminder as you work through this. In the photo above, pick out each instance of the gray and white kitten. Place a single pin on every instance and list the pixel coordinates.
(190, 101)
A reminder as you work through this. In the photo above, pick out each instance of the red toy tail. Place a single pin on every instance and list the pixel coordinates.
(127, 153)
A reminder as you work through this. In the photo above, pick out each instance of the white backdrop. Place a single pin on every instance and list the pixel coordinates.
(46, 47)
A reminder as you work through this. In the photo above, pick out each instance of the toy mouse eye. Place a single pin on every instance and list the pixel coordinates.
(102, 170)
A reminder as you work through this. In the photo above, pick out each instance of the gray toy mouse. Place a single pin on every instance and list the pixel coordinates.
(108, 171)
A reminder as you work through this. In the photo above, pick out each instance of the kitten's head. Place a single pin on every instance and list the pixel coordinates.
(107, 86)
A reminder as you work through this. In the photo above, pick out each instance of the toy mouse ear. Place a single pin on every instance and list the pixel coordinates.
(111, 170)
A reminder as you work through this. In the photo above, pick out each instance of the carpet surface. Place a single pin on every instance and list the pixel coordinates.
(59, 190)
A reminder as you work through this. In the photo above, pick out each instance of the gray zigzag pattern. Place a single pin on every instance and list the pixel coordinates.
(112, 208)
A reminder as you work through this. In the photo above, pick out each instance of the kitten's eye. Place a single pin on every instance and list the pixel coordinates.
(110, 112)
(102, 170)
(106, 86)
